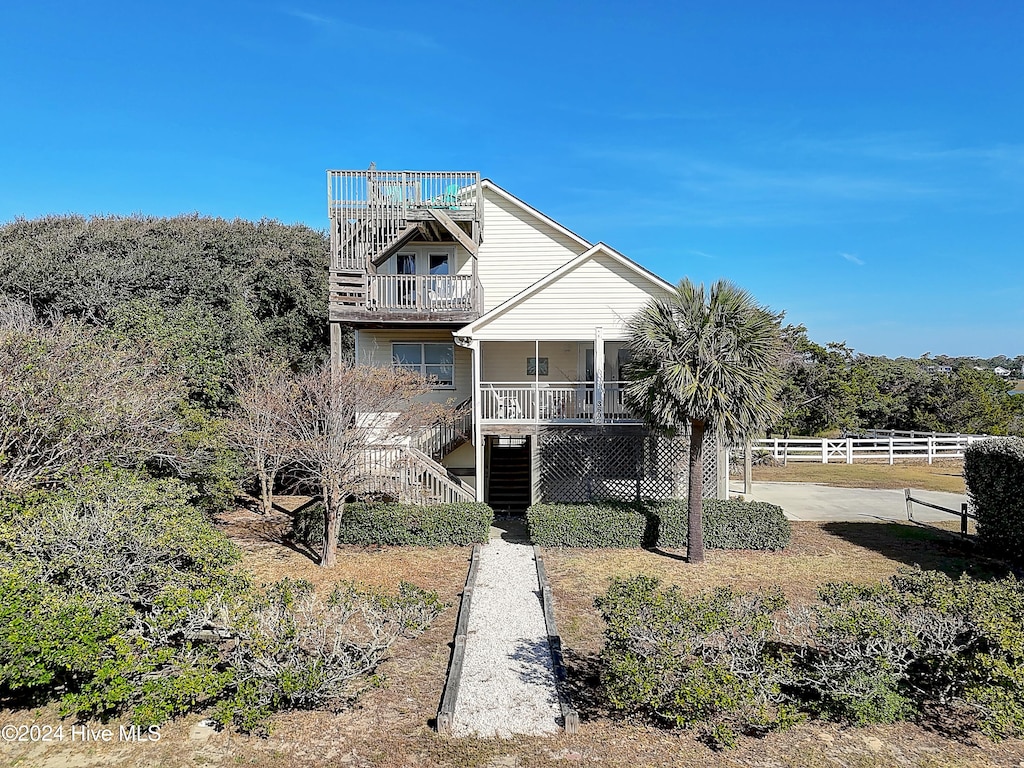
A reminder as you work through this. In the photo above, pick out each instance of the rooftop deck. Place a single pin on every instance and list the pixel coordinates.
(374, 214)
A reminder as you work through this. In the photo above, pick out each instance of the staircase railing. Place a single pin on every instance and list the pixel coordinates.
(408, 474)
(441, 438)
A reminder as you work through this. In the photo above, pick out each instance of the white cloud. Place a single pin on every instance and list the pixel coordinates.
(853, 259)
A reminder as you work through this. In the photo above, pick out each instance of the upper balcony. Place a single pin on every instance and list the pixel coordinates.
(375, 215)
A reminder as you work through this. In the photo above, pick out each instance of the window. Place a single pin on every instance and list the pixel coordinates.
(406, 264)
(439, 263)
(435, 361)
(531, 366)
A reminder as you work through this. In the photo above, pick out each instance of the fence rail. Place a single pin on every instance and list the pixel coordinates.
(850, 450)
(962, 513)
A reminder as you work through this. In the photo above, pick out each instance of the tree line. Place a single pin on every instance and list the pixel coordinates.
(832, 388)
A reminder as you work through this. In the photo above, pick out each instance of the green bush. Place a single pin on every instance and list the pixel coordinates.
(994, 472)
(106, 586)
(922, 646)
(704, 661)
(728, 524)
(437, 525)
(118, 596)
(919, 644)
(587, 525)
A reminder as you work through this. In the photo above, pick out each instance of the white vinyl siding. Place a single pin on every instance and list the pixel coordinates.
(600, 291)
(375, 348)
(518, 250)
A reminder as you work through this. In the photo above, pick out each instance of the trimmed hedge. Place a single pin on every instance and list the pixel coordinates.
(994, 471)
(728, 524)
(438, 525)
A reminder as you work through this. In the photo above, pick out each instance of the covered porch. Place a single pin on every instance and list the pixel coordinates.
(569, 381)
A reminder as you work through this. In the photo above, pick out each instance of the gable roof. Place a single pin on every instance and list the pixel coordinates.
(600, 250)
(487, 184)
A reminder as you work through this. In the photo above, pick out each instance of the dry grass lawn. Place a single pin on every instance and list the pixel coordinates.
(392, 726)
(941, 476)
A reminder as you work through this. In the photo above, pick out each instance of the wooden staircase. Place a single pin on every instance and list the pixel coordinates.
(409, 476)
(509, 491)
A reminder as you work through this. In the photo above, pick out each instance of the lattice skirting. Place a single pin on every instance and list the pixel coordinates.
(627, 464)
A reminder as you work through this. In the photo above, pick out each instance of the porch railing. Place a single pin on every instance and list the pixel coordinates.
(422, 293)
(551, 402)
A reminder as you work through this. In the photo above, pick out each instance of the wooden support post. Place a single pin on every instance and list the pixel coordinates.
(478, 441)
(910, 503)
(931, 449)
(598, 375)
(824, 450)
(849, 450)
(891, 459)
(455, 230)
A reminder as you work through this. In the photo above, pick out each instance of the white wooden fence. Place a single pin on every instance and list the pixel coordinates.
(886, 449)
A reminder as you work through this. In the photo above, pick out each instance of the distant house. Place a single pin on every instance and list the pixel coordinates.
(1000, 371)
(946, 369)
(511, 314)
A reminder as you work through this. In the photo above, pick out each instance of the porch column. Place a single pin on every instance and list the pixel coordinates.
(536, 382)
(478, 440)
(598, 375)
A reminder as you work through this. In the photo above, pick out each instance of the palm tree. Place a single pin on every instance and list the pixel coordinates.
(706, 362)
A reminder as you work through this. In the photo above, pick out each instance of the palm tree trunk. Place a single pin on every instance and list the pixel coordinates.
(695, 493)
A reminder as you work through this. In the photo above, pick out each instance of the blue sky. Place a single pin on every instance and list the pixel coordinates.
(859, 165)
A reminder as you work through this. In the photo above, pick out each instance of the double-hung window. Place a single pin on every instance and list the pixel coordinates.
(432, 360)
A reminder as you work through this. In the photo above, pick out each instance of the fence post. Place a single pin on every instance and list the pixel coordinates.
(824, 450)
(963, 519)
(891, 461)
(910, 509)
(931, 449)
(849, 450)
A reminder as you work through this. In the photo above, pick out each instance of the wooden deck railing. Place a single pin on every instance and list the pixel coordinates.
(422, 293)
(370, 209)
(551, 402)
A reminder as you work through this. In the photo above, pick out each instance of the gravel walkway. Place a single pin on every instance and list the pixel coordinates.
(508, 683)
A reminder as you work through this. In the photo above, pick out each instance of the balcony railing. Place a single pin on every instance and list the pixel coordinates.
(427, 294)
(357, 190)
(370, 210)
(552, 402)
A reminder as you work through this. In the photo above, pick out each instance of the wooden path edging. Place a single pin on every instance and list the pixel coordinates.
(570, 718)
(446, 712)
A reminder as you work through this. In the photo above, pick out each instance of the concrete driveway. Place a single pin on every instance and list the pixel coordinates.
(811, 501)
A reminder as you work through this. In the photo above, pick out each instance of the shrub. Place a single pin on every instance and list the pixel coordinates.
(921, 646)
(297, 651)
(436, 525)
(118, 596)
(588, 525)
(728, 524)
(107, 587)
(705, 660)
(994, 472)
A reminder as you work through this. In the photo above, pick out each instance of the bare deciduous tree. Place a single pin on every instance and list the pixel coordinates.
(72, 397)
(265, 394)
(341, 426)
